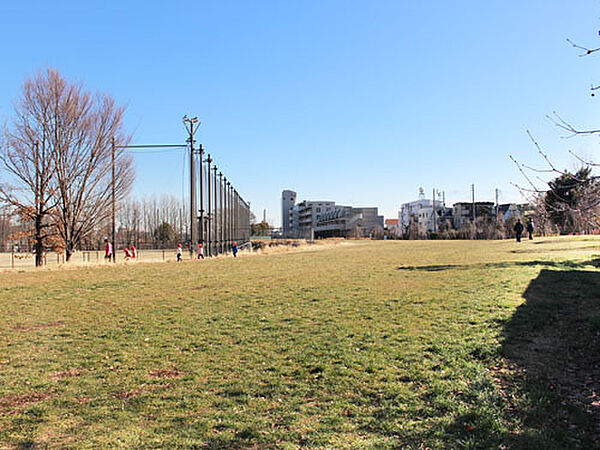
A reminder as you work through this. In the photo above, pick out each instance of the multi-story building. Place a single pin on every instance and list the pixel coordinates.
(392, 227)
(309, 219)
(308, 213)
(463, 212)
(508, 210)
(423, 212)
(288, 200)
(346, 221)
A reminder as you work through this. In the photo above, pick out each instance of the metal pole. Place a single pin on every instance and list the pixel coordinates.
(229, 215)
(114, 206)
(215, 218)
(192, 192)
(221, 216)
(208, 215)
(474, 215)
(236, 225)
(180, 224)
(225, 215)
(38, 201)
(473, 201)
(433, 209)
(497, 205)
(201, 238)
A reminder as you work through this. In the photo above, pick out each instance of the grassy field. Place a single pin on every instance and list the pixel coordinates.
(426, 344)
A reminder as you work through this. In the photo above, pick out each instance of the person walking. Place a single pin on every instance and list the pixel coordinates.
(530, 229)
(179, 252)
(234, 249)
(518, 229)
(200, 250)
(133, 252)
(108, 250)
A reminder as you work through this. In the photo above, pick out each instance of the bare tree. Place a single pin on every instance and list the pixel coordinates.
(583, 212)
(59, 150)
(29, 157)
(84, 129)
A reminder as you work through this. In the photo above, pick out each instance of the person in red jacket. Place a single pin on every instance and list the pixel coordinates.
(108, 250)
(200, 250)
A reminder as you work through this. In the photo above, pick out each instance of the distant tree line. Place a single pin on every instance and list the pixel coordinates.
(56, 163)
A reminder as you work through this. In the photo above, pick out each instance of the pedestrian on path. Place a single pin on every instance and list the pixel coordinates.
(200, 250)
(179, 252)
(108, 250)
(234, 249)
(518, 229)
(530, 229)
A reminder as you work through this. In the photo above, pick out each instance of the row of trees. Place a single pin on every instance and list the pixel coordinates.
(570, 204)
(570, 201)
(151, 222)
(484, 227)
(57, 159)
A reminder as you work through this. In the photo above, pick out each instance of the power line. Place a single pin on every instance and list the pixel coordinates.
(153, 146)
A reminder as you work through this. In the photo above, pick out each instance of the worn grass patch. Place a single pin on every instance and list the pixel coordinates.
(360, 345)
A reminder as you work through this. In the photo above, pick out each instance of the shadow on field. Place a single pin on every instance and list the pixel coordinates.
(502, 265)
(551, 386)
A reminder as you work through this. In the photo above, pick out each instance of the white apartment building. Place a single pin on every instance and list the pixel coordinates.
(420, 211)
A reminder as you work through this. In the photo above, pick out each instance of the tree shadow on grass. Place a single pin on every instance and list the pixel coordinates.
(551, 384)
(501, 265)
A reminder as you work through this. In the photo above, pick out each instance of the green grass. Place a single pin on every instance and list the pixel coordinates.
(358, 345)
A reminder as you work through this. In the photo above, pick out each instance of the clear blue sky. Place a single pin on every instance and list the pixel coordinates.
(360, 102)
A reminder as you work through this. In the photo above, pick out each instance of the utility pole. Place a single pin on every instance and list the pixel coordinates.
(229, 215)
(473, 200)
(216, 217)
(180, 225)
(201, 237)
(473, 206)
(114, 205)
(433, 210)
(222, 214)
(191, 132)
(38, 206)
(208, 214)
(497, 205)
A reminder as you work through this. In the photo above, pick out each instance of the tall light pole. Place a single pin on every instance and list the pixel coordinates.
(209, 213)
(201, 237)
(221, 213)
(189, 125)
(215, 217)
(114, 205)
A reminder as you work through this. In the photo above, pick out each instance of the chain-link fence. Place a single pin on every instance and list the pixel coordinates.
(22, 260)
